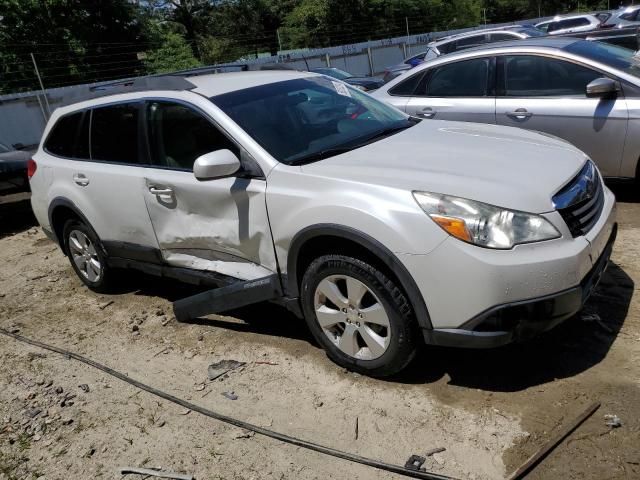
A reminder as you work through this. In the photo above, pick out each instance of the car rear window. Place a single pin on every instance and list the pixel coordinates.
(61, 141)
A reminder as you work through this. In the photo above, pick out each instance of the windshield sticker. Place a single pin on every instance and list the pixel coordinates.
(341, 88)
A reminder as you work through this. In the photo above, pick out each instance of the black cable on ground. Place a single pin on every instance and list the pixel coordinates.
(232, 421)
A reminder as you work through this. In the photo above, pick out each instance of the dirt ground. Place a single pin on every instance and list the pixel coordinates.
(60, 419)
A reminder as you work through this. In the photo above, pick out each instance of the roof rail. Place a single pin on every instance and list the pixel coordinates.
(194, 72)
(478, 31)
(172, 81)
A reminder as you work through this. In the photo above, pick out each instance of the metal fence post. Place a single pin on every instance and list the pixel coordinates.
(404, 50)
(370, 61)
(46, 100)
(327, 60)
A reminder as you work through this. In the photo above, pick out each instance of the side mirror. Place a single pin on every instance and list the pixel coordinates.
(603, 87)
(218, 164)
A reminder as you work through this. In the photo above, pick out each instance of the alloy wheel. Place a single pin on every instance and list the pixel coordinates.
(84, 255)
(352, 317)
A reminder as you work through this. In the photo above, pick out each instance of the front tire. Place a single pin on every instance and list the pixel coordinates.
(85, 252)
(361, 318)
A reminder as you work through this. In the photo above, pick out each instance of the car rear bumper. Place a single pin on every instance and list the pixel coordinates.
(522, 320)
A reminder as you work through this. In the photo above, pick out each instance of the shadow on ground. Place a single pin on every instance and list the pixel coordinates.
(15, 214)
(573, 347)
(627, 192)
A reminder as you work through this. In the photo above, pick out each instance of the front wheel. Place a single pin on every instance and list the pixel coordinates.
(361, 318)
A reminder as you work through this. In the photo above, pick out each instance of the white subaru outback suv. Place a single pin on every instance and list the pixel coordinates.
(384, 231)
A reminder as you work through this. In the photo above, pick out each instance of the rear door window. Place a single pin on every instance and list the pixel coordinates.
(114, 133)
(178, 135)
(468, 78)
(61, 141)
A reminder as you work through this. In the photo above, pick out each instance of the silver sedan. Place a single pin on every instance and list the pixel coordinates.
(587, 93)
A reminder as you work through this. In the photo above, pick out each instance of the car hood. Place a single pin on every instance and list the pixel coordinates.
(502, 166)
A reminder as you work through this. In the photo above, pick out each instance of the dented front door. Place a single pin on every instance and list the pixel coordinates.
(219, 225)
(216, 225)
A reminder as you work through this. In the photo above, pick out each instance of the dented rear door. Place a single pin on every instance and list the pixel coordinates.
(218, 225)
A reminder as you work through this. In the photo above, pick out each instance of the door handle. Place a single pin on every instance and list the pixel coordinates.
(81, 179)
(426, 112)
(156, 190)
(520, 113)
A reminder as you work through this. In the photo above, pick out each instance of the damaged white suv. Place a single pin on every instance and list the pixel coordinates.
(383, 231)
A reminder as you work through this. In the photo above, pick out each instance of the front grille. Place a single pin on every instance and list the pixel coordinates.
(580, 202)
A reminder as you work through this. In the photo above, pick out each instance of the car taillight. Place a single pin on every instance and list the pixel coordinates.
(31, 167)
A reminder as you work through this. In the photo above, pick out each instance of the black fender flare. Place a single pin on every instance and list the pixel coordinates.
(64, 202)
(387, 257)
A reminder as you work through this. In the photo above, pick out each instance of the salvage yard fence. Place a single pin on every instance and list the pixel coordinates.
(23, 116)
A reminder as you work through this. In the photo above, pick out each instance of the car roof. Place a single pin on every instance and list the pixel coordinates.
(206, 84)
(219, 83)
(549, 42)
(479, 31)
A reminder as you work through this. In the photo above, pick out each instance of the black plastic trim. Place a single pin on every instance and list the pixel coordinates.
(230, 297)
(132, 251)
(185, 275)
(64, 202)
(374, 246)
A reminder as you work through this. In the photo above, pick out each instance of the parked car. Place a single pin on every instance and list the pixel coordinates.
(13, 168)
(587, 93)
(365, 84)
(461, 41)
(570, 24)
(385, 231)
(626, 17)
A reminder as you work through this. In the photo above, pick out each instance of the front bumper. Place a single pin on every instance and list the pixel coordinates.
(522, 320)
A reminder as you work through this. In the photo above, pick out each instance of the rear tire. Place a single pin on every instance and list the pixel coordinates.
(361, 318)
(86, 254)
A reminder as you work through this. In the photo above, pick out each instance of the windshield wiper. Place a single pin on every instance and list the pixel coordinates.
(322, 154)
(384, 133)
(357, 143)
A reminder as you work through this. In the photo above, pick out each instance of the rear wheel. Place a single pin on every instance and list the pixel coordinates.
(360, 316)
(85, 252)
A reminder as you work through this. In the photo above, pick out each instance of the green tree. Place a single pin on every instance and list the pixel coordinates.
(172, 55)
(73, 41)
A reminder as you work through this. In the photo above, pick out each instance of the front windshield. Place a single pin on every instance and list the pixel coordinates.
(307, 119)
(620, 58)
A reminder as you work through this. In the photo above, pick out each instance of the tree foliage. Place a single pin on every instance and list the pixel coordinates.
(76, 41)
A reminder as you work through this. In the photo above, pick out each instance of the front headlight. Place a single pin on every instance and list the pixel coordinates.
(482, 224)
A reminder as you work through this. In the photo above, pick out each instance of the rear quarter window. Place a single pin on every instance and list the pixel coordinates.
(64, 134)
